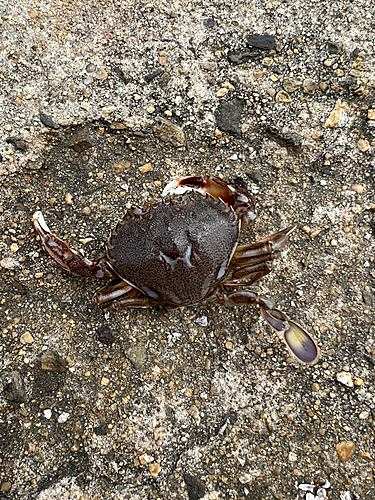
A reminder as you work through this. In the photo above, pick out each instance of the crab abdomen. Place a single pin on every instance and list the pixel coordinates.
(176, 253)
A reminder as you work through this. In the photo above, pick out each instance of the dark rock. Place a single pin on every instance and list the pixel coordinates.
(80, 141)
(239, 181)
(105, 335)
(51, 361)
(355, 53)
(17, 142)
(47, 120)
(368, 297)
(35, 165)
(291, 84)
(349, 81)
(262, 42)
(151, 76)
(101, 429)
(209, 23)
(164, 79)
(228, 116)
(125, 78)
(335, 48)
(241, 57)
(195, 487)
(288, 140)
(90, 68)
(13, 385)
(231, 417)
(309, 86)
(255, 176)
(167, 131)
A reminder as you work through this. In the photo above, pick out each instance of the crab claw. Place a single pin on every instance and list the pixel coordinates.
(234, 196)
(68, 258)
(300, 344)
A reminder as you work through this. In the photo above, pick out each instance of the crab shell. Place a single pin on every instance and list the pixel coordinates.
(176, 253)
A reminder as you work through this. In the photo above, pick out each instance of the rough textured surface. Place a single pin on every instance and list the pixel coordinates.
(195, 403)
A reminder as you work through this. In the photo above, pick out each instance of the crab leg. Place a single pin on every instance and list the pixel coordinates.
(263, 250)
(68, 258)
(253, 259)
(236, 197)
(299, 342)
(118, 294)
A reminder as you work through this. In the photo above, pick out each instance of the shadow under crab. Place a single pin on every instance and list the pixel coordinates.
(185, 252)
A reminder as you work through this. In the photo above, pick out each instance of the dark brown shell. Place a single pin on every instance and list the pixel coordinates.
(177, 253)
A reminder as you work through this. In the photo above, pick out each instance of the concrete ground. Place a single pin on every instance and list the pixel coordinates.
(102, 103)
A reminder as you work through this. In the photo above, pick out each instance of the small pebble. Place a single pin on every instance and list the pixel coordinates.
(309, 86)
(14, 248)
(75, 447)
(154, 469)
(5, 487)
(271, 92)
(48, 413)
(358, 188)
(363, 145)
(283, 97)
(194, 413)
(90, 68)
(51, 361)
(86, 211)
(345, 378)
(364, 454)
(147, 167)
(121, 166)
(267, 61)
(370, 114)
(108, 111)
(102, 75)
(105, 335)
(202, 321)
(339, 116)
(68, 199)
(222, 92)
(259, 73)
(63, 417)
(26, 338)
(8, 263)
(345, 450)
(104, 381)
(291, 85)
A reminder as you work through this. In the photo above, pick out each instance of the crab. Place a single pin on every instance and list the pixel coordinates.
(184, 251)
